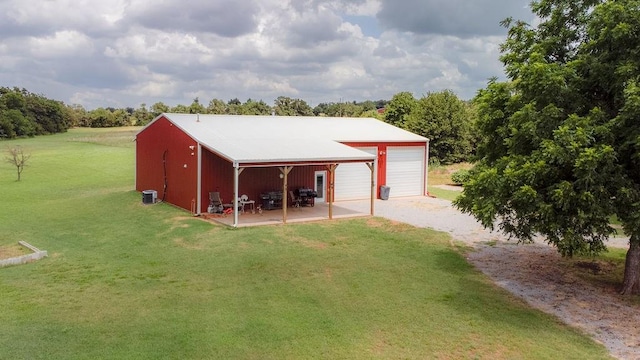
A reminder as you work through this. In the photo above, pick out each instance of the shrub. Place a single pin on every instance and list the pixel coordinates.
(461, 176)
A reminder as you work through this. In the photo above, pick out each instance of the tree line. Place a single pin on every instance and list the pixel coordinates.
(24, 114)
(283, 106)
(439, 116)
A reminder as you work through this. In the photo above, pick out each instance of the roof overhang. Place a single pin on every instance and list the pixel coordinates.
(289, 152)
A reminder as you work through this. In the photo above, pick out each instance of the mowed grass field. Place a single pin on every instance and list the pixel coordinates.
(441, 175)
(125, 280)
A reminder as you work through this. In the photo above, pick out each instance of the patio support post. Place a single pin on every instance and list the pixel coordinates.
(332, 170)
(285, 174)
(371, 167)
(236, 179)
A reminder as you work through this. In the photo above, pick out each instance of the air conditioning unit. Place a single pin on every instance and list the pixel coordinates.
(149, 196)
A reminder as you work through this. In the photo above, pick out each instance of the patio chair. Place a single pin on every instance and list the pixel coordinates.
(295, 200)
(244, 200)
(215, 202)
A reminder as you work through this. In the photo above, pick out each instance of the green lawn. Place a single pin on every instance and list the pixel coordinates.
(441, 175)
(125, 280)
(443, 193)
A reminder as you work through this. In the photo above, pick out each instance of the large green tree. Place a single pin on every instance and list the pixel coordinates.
(77, 115)
(141, 116)
(343, 109)
(101, 117)
(180, 109)
(196, 107)
(252, 107)
(159, 108)
(446, 121)
(25, 114)
(560, 144)
(216, 106)
(48, 115)
(234, 107)
(398, 109)
(286, 106)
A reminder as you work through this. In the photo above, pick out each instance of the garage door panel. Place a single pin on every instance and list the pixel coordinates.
(405, 171)
(353, 180)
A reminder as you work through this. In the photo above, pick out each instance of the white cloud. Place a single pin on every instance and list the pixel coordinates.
(155, 46)
(36, 17)
(61, 44)
(126, 52)
(365, 8)
(157, 86)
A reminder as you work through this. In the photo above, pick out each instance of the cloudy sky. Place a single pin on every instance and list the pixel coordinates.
(124, 53)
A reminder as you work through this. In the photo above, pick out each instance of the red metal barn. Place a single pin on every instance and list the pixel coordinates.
(184, 157)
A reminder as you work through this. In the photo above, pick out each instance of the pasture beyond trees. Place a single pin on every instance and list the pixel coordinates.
(131, 281)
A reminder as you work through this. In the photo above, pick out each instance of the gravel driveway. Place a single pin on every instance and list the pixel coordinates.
(542, 280)
(440, 215)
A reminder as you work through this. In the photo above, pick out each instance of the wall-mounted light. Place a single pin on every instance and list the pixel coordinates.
(281, 176)
(185, 166)
(192, 147)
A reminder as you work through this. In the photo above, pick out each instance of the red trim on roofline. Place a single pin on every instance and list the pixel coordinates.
(301, 163)
(384, 143)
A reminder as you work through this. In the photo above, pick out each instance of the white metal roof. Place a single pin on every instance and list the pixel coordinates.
(262, 139)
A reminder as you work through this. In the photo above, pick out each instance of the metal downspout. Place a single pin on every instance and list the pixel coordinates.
(372, 167)
(135, 181)
(426, 172)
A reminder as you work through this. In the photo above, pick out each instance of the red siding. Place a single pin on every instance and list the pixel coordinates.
(181, 163)
(217, 175)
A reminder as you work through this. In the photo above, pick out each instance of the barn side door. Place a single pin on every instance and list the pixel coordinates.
(320, 186)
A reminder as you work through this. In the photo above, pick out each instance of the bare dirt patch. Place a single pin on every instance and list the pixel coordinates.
(537, 274)
(12, 250)
(375, 222)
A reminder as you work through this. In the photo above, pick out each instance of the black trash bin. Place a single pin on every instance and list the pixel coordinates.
(384, 192)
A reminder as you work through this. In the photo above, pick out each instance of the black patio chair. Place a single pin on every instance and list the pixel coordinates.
(215, 202)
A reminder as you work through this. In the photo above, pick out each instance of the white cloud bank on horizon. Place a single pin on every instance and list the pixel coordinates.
(123, 53)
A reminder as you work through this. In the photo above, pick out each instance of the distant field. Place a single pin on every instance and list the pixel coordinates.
(125, 280)
(441, 175)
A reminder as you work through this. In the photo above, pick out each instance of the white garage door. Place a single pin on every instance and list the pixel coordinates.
(405, 171)
(353, 181)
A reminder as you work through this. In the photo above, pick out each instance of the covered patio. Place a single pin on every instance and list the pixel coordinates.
(319, 212)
